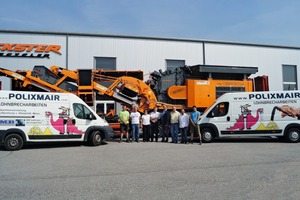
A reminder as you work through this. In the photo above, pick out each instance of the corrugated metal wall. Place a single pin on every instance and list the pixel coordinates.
(268, 60)
(132, 54)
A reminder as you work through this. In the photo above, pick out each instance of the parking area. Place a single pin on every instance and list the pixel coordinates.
(226, 169)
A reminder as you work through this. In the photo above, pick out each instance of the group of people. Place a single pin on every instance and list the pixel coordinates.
(173, 121)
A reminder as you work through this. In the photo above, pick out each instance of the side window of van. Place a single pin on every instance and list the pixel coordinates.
(82, 112)
(219, 110)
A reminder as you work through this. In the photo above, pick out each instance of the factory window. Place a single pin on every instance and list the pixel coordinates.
(106, 63)
(289, 73)
(174, 63)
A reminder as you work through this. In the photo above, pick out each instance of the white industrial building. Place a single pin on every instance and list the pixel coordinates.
(120, 52)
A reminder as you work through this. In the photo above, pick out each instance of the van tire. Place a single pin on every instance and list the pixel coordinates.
(95, 138)
(292, 135)
(13, 142)
(208, 135)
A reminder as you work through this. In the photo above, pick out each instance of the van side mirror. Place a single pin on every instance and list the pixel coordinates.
(211, 115)
(90, 116)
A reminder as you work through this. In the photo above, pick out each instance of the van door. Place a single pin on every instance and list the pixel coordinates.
(82, 120)
(220, 116)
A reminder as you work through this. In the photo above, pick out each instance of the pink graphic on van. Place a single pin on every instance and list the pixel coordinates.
(63, 123)
(246, 119)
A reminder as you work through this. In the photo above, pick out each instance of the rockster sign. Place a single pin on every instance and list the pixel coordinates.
(16, 50)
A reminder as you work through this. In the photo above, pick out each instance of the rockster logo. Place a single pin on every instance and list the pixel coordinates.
(28, 50)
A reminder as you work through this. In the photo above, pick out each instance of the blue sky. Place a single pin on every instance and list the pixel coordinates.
(252, 21)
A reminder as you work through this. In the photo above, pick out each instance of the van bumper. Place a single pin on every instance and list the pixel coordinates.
(109, 133)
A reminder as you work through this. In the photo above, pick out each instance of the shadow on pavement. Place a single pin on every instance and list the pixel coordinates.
(50, 145)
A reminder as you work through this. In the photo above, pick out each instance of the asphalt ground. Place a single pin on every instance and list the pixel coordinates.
(226, 169)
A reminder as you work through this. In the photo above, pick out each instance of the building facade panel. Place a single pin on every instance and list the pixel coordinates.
(132, 54)
(268, 60)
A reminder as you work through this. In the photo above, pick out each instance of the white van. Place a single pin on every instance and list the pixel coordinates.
(252, 114)
(48, 117)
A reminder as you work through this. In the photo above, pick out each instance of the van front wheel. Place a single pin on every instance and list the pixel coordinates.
(208, 135)
(293, 135)
(95, 138)
(13, 142)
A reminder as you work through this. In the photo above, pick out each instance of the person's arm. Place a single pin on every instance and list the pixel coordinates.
(199, 117)
(127, 119)
(191, 120)
(187, 120)
(120, 119)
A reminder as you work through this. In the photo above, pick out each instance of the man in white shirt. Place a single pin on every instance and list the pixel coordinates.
(135, 117)
(154, 117)
(183, 125)
(146, 126)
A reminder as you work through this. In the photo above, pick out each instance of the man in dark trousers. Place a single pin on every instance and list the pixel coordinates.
(165, 124)
(154, 117)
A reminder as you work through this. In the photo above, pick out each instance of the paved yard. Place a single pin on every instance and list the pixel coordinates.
(227, 169)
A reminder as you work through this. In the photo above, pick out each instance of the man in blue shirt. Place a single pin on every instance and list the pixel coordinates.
(194, 126)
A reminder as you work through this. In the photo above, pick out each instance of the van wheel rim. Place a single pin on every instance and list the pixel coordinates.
(294, 135)
(13, 142)
(97, 138)
(207, 135)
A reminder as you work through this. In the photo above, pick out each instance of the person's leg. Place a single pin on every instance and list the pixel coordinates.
(137, 133)
(176, 133)
(144, 133)
(132, 132)
(148, 133)
(121, 137)
(163, 130)
(199, 133)
(156, 131)
(173, 132)
(192, 130)
(181, 132)
(127, 136)
(152, 132)
(167, 131)
(185, 135)
(122, 132)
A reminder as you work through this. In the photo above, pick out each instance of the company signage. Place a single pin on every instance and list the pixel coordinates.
(16, 50)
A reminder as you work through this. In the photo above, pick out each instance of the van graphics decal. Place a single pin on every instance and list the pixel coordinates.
(290, 95)
(7, 122)
(63, 124)
(34, 96)
(246, 120)
(286, 111)
(20, 122)
(36, 130)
